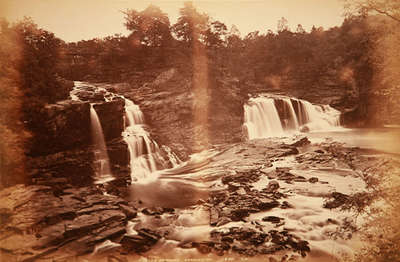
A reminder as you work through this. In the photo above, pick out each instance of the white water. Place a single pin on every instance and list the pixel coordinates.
(145, 155)
(280, 116)
(144, 152)
(261, 118)
(102, 162)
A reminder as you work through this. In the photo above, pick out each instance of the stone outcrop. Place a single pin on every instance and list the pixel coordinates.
(37, 223)
(61, 151)
(168, 103)
(111, 115)
(63, 126)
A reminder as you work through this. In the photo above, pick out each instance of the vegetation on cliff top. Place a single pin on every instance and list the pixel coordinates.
(29, 80)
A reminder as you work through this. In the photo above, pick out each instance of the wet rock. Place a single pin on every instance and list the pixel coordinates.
(204, 247)
(265, 205)
(300, 179)
(128, 211)
(141, 242)
(153, 211)
(221, 248)
(241, 178)
(288, 151)
(223, 220)
(77, 219)
(112, 231)
(272, 219)
(186, 245)
(239, 214)
(63, 126)
(111, 116)
(269, 249)
(303, 247)
(232, 186)
(218, 196)
(338, 200)
(273, 186)
(214, 216)
(286, 205)
(304, 129)
(85, 223)
(286, 176)
(241, 191)
(302, 142)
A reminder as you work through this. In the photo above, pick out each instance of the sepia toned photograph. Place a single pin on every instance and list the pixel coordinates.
(200, 131)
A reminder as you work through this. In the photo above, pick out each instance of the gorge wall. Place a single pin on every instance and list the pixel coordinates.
(62, 152)
(167, 101)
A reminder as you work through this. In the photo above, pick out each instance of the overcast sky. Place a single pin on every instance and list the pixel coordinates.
(74, 20)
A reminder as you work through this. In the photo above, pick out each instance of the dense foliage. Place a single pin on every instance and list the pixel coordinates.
(29, 81)
(295, 61)
(12, 135)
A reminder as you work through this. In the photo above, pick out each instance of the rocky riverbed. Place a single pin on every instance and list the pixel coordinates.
(267, 199)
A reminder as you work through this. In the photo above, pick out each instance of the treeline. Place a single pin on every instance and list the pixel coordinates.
(351, 58)
(261, 60)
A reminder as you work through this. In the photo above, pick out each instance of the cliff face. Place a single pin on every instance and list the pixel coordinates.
(63, 126)
(62, 150)
(168, 103)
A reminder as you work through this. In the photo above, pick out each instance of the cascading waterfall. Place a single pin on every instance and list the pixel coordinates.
(173, 158)
(261, 118)
(289, 120)
(102, 163)
(144, 152)
(278, 116)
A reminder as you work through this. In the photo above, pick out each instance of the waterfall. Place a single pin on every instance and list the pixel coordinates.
(274, 116)
(261, 118)
(102, 163)
(173, 158)
(144, 152)
(289, 119)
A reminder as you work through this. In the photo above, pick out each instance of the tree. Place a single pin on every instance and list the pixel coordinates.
(215, 34)
(12, 131)
(389, 8)
(151, 26)
(233, 39)
(191, 25)
(300, 29)
(40, 54)
(283, 25)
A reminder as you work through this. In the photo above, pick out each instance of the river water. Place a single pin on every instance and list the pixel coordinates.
(385, 139)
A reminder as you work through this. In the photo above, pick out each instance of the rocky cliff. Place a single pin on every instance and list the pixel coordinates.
(62, 151)
(168, 103)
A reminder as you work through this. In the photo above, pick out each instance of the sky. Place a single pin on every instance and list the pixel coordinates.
(74, 20)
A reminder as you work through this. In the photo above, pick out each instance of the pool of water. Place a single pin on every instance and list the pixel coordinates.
(386, 139)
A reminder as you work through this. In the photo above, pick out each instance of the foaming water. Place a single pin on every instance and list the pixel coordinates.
(176, 187)
(279, 116)
(142, 149)
(146, 157)
(145, 154)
